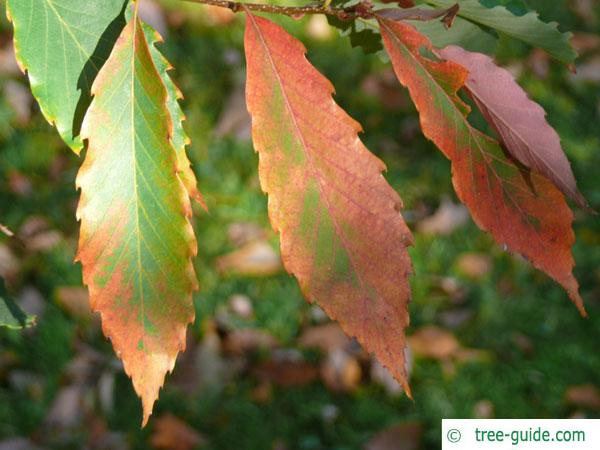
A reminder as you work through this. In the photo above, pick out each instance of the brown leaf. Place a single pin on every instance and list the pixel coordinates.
(248, 339)
(74, 300)
(434, 343)
(286, 372)
(241, 233)
(404, 436)
(474, 265)
(327, 338)
(341, 372)
(584, 396)
(254, 259)
(447, 218)
(172, 433)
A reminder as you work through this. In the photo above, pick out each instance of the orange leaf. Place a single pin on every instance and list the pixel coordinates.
(522, 210)
(136, 242)
(341, 232)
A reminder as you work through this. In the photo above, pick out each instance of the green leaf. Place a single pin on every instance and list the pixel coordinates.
(11, 316)
(179, 137)
(136, 242)
(527, 28)
(462, 33)
(62, 44)
(360, 34)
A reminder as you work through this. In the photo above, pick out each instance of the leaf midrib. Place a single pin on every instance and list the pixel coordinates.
(338, 230)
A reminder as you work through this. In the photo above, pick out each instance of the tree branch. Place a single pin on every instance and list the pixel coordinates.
(363, 9)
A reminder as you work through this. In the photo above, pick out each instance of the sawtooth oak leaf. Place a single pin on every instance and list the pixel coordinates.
(522, 210)
(519, 121)
(341, 232)
(136, 242)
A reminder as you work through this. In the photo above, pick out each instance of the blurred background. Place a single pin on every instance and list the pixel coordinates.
(490, 337)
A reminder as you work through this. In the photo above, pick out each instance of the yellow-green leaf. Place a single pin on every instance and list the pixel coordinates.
(136, 242)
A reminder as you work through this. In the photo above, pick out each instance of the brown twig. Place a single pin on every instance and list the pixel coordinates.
(362, 10)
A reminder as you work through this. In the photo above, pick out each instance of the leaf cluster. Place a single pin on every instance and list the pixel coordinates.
(102, 82)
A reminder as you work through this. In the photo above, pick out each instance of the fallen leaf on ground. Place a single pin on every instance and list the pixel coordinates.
(584, 396)
(435, 343)
(172, 433)
(327, 338)
(240, 233)
(75, 301)
(448, 217)
(474, 265)
(286, 373)
(254, 259)
(404, 436)
(341, 371)
(248, 339)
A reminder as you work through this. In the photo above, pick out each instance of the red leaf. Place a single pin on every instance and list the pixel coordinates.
(522, 211)
(520, 122)
(341, 233)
